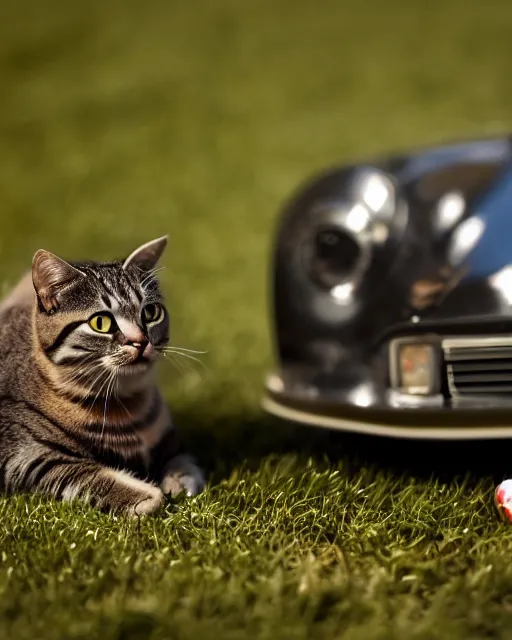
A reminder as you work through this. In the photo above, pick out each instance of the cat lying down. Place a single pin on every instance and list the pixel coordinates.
(80, 414)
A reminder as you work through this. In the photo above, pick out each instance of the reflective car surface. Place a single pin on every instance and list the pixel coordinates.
(392, 295)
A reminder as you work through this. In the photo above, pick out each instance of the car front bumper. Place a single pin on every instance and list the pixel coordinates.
(471, 419)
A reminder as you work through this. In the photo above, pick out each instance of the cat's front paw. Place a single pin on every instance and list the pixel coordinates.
(147, 504)
(182, 474)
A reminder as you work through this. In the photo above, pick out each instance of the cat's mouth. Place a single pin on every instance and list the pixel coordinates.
(136, 358)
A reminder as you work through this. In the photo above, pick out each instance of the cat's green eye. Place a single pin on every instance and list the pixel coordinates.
(153, 313)
(101, 322)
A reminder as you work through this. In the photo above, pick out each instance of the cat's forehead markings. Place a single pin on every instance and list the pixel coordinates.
(131, 290)
(134, 297)
(106, 300)
(114, 304)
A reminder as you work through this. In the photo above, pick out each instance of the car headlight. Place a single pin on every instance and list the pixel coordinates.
(415, 365)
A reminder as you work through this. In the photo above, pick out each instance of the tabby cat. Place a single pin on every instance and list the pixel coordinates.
(80, 414)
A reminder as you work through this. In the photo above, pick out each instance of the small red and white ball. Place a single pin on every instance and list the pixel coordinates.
(503, 497)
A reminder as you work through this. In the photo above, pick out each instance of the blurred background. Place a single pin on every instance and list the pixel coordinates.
(122, 121)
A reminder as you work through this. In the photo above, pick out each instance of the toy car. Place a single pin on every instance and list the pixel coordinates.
(392, 296)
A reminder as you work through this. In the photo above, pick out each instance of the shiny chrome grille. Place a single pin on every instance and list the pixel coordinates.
(478, 365)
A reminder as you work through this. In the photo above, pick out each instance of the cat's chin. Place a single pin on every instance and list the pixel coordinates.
(134, 369)
(133, 378)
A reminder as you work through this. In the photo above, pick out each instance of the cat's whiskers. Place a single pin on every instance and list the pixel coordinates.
(111, 380)
(117, 396)
(182, 349)
(173, 351)
(100, 390)
(185, 364)
(81, 378)
(89, 390)
(84, 367)
(178, 364)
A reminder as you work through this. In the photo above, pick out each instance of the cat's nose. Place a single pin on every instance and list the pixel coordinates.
(132, 334)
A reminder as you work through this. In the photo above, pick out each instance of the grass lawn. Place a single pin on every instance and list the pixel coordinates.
(121, 121)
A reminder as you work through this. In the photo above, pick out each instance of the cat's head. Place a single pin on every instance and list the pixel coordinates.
(100, 323)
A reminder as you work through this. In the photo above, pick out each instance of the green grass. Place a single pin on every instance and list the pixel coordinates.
(121, 121)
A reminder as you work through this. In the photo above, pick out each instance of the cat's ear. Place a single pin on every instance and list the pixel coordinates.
(50, 275)
(146, 257)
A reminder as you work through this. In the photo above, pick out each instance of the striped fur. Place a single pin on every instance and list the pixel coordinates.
(80, 414)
